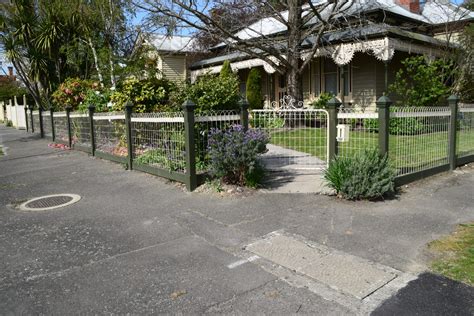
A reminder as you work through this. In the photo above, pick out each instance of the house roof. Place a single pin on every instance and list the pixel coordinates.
(347, 35)
(432, 12)
(175, 43)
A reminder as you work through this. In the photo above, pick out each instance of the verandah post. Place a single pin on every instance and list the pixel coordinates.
(453, 102)
(383, 106)
(191, 177)
(91, 126)
(128, 131)
(332, 106)
(244, 113)
(68, 123)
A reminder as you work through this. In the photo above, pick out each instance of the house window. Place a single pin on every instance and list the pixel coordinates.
(347, 80)
(330, 76)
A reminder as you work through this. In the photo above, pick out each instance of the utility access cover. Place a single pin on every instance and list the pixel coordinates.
(338, 270)
(49, 202)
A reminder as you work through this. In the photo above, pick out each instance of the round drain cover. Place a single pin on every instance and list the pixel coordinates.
(49, 202)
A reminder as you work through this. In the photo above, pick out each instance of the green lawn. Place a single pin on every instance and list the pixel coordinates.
(455, 254)
(405, 151)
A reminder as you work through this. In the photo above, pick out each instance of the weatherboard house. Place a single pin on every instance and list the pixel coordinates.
(358, 63)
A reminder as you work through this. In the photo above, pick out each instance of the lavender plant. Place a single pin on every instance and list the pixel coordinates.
(234, 154)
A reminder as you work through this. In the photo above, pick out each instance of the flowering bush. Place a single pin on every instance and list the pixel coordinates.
(100, 99)
(72, 92)
(234, 152)
(147, 95)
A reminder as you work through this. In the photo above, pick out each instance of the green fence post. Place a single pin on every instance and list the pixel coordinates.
(51, 117)
(128, 131)
(25, 107)
(31, 118)
(453, 102)
(383, 106)
(244, 113)
(68, 123)
(91, 125)
(332, 106)
(191, 177)
(40, 113)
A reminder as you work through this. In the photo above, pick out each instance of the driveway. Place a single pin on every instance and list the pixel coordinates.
(139, 244)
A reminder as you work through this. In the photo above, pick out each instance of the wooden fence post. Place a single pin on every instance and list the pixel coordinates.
(383, 106)
(453, 102)
(244, 114)
(191, 176)
(332, 106)
(31, 118)
(128, 131)
(91, 126)
(68, 123)
(53, 131)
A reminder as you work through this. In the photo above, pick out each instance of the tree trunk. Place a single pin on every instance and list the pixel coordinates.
(96, 63)
(293, 74)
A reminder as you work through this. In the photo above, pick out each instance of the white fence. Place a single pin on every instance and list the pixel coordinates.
(14, 113)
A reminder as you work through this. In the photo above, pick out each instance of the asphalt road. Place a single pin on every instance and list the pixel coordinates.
(139, 244)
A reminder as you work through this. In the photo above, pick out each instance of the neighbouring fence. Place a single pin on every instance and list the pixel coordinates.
(13, 113)
(419, 141)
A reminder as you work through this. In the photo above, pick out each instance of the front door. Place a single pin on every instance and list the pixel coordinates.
(280, 88)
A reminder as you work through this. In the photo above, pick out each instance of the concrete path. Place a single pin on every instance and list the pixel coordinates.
(290, 171)
(138, 244)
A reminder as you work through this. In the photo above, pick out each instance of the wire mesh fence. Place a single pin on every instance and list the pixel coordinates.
(80, 129)
(419, 138)
(465, 130)
(110, 136)
(158, 140)
(47, 130)
(204, 123)
(298, 137)
(60, 126)
(360, 131)
(36, 121)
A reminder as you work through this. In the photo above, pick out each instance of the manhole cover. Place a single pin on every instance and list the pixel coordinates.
(49, 202)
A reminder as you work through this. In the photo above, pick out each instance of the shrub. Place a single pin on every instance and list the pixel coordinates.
(365, 176)
(212, 92)
(419, 83)
(322, 101)
(100, 99)
(254, 89)
(264, 120)
(226, 70)
(72, 92)
(147, 95)
(234, 152)
(398, 126)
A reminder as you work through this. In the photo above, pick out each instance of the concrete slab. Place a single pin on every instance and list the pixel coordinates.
(280, 158)
(341, 271)
(295, 181)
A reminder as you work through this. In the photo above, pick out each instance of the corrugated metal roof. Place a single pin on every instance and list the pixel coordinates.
(175, 43)
(348, 35)
(433, 12)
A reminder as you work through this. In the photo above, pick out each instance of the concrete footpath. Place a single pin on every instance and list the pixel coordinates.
(139, 244)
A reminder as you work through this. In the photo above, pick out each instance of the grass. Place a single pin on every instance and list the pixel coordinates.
(455, 254)
(406, 152)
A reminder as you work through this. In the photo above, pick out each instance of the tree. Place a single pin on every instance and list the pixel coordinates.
(300, 19)
(422, 83)
(51, 40)
(226, 70)
(10, 88)
(254, 89)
